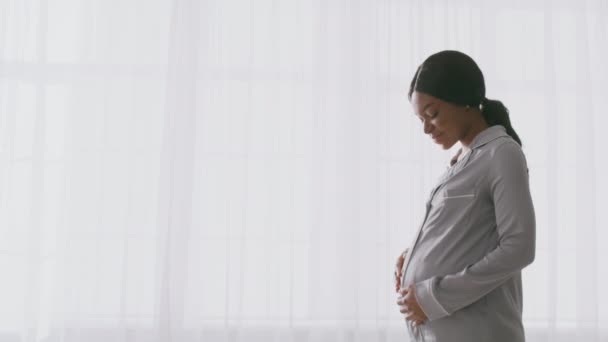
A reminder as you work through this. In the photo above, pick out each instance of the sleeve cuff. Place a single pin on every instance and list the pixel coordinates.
(427, 301)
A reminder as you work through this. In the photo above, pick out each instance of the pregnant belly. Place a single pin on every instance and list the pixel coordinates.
(435, 259)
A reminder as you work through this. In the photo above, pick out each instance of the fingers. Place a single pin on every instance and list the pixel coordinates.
(401, 256)
(415, 322)
(397, 281)
(414, 318)
(401, 302)
(400, 260)
(409, 294)
(408, 305)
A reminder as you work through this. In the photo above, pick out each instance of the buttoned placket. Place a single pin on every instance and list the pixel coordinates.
(449, 173)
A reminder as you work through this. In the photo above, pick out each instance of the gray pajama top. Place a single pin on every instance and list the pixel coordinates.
(477, 235)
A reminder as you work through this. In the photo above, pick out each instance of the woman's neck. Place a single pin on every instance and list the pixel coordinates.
(477, 127)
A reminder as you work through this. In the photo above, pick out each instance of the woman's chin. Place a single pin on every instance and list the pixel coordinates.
(446, 145)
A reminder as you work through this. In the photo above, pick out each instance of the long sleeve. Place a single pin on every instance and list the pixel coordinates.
(508, 184)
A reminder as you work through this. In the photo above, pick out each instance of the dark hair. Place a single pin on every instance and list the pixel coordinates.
(455, 77)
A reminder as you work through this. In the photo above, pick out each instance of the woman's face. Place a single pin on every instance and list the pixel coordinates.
(444, 122)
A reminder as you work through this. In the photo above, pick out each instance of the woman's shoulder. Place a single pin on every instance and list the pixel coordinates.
(504, 146)
(506, 157)
(501, 156)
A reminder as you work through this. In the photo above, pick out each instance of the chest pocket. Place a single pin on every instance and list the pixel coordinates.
(450, 207)
(455, 197)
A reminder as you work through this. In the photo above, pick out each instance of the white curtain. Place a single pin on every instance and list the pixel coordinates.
(239, 170)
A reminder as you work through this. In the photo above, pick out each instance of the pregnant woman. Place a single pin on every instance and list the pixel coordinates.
(460, 279)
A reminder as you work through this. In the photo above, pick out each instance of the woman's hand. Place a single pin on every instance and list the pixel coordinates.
(398, 267)
(408, 305)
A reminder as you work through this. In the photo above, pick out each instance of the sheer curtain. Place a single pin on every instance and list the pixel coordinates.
(249, 170)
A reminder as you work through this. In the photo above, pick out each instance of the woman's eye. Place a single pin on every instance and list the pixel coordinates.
(427, 116)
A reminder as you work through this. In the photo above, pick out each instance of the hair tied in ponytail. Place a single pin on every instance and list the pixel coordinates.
(483, 103)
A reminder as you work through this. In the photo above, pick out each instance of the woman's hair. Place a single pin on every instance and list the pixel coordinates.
(455, 77)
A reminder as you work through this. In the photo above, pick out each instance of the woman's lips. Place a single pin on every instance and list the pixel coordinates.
(436, 137)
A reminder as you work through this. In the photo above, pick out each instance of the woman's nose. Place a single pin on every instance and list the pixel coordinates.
(428, 127)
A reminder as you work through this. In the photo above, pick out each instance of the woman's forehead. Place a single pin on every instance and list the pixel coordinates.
(422, 101)
(423, 98)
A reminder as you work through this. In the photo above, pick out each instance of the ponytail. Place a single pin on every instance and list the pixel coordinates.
(495, 113)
